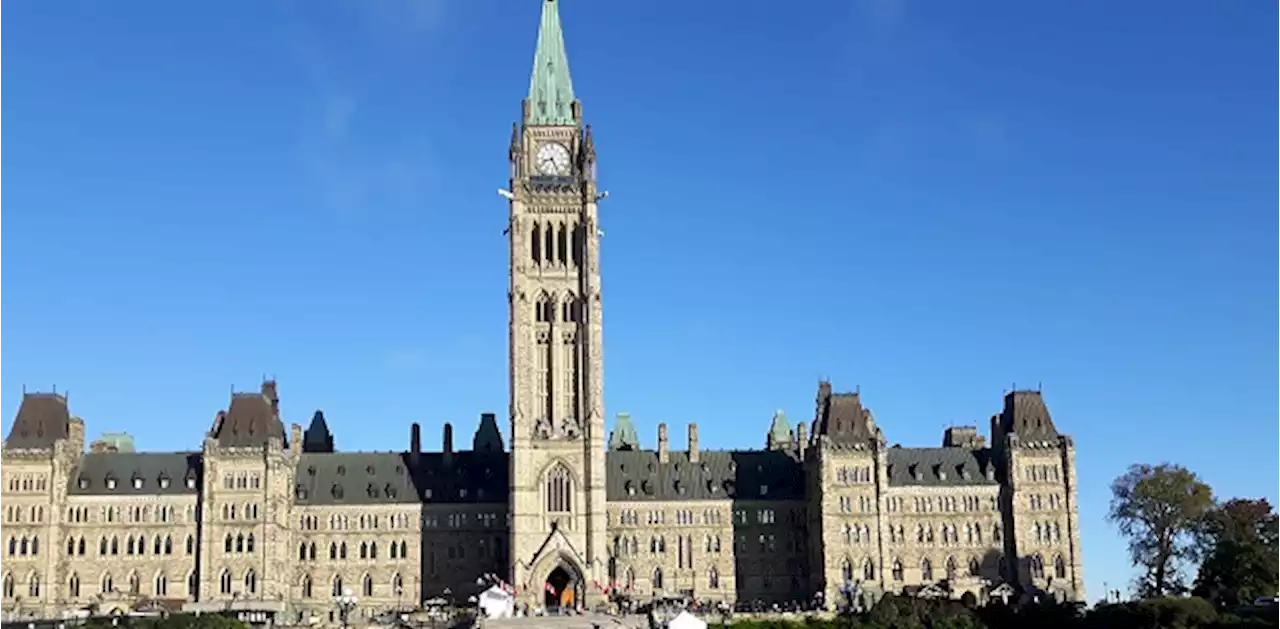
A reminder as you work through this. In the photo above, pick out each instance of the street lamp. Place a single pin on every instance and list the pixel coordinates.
(346, 602)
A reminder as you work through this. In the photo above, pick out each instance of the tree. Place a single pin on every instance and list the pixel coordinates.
(1241, 549)
(1160, 508)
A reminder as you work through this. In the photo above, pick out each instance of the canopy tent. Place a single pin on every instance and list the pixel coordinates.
(685, 620)
(495, 602)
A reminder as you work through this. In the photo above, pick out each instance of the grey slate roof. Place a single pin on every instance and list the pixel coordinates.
(927, 467)
(317, 438)
(636, 475)
(841, 417)
(42, 419)
(251, 419)
(158, 473)
(487, 438)
(401, 477)
(1026, 415)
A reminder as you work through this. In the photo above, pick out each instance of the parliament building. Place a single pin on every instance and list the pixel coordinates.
(267, 518)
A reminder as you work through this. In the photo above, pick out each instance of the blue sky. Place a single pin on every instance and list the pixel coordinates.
(931, 201)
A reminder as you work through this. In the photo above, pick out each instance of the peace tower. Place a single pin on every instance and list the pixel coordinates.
(556, 373)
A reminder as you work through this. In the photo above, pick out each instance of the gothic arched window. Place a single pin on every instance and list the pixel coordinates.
(926, 570)
(1059, 567)
(559, 490)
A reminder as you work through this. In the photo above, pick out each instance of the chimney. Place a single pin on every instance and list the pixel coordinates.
(448, 444)
(693, 443)
(664, 453)
(802, 438)
(415, 441)
(269, 392)
(295, 437)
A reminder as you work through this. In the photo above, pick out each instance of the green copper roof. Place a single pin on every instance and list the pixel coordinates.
(624, 435)
(550, 88)
(121, 441)
(780, 430)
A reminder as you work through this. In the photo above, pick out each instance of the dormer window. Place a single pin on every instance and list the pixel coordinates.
(372, 491)
(389, 491)
(764, 490)
(111, 482)
(991, 473)
(342, 470)
(631, 488)
(300, 491)
(680, 488)
(191, 481)
(84, 483)
(462, 493)
(713, 486)
(164, 482)
(336, 491)
(427, 493)
(137, 482)
(369, 470)
(964, 471)
(311, 470)
(941, 472)
(915, 472)
(647, 487)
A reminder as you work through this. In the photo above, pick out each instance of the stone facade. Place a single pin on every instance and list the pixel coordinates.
(275, 521)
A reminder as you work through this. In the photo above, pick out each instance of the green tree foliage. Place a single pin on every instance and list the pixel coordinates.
(898, 612)
(1160, 508)
(1241, 549)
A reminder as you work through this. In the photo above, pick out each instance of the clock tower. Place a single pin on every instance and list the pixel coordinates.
(557, 502)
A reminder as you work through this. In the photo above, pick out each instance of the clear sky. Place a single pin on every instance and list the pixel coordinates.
(931, 201)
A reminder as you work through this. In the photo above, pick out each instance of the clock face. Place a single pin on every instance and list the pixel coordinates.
(552, 159)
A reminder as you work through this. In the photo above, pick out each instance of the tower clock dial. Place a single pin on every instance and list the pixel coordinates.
(552, 159)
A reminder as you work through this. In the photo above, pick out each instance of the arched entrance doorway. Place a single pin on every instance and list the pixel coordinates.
(561, 589)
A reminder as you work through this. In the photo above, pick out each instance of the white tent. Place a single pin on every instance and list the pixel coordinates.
(497, 603)
(685, 620)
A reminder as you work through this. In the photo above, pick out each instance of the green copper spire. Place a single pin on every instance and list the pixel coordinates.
(550, 88)
(780, 434)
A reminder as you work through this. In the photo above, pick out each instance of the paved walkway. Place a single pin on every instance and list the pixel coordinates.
(585, 621)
